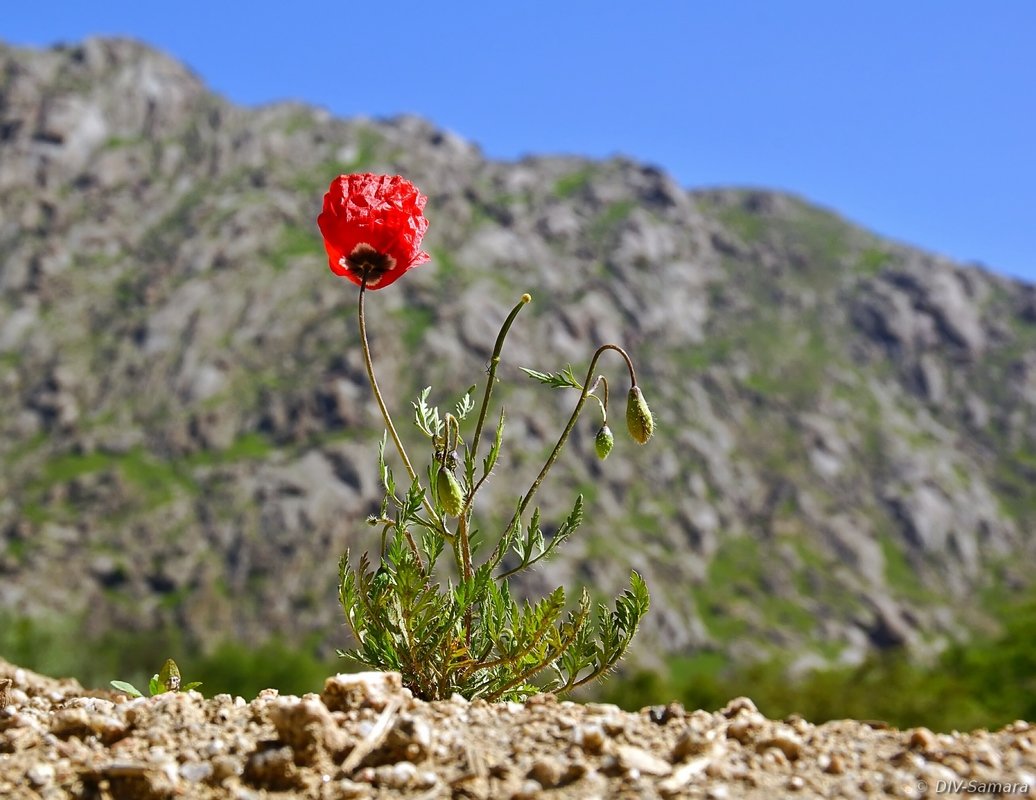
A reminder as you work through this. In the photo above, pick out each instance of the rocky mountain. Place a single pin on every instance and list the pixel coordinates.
(845, 452)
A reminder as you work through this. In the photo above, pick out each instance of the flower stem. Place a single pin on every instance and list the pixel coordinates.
(465, 514)
(583, 395)
(493, 364)
(384, 410)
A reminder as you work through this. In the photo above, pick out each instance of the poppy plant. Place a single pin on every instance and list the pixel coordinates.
(461, 631)
(372, 227)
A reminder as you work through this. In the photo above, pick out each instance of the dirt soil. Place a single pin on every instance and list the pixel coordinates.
(366, 737)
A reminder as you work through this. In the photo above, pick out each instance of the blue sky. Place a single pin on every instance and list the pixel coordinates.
(915, 119)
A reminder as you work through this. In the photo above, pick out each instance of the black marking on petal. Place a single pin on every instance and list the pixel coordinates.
(366, 262)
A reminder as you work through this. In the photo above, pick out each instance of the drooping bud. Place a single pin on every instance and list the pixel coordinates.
(639, 421)
(447, 489)
(603, 442)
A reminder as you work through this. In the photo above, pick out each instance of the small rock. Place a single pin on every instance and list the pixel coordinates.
(273, 768)
(81, 722)
(546, 771)
(660, 715)
(633, 758)
(426, 779)
(923, 739)
(589, 738)
(306, 726)
(739, 705)
(744, 726)
(409, 739)
(362, 690)
(39, 775)
(196, 771)
(395, 776)
(530, 790)
(224, 767)
(348, 789)
(784, 740)
(692, 743)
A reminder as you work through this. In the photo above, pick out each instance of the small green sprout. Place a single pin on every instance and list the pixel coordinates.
(165, 680)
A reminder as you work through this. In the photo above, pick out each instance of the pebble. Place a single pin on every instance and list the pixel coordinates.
(348, 789)
(546, 771)
(306, 726)
(744, 726)
(738, 705)
(632, 759)
(362, 690)
(922, 739)
(39, 775)
(225, 766)
(530, 790)
(273, 768)
(395, 776)
(410, 739)
(589, 738)
(692, 743)
(784, 740)
(196, 771)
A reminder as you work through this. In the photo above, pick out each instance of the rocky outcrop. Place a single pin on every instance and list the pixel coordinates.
(846, 427)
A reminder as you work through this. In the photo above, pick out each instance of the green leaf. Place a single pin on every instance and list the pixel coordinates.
(385, 473)
(169, 676)
(188, 686)
(471, 590)
(466, 404)
(556, 380)
(469, 470)
(432, 545)
(568, 527)
(494, 451)
(128, 688)
(411, 505)
(427, 417)
(508, 540)
(155, 685)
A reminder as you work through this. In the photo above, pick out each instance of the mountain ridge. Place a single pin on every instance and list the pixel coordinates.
(846, 425)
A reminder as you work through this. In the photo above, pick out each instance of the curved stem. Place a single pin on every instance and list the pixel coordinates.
(381, 402)
(583, 395)
(493, 364)
(465, 514)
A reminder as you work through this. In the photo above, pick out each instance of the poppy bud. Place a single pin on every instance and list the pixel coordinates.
(448, 491)
(603, 442)
(639, 421)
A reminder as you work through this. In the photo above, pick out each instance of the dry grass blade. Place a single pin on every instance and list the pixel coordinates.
(374, 738)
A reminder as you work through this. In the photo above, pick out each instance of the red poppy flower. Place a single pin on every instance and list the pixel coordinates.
(372, 227)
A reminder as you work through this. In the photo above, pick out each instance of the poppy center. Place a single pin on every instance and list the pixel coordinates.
(366, 262)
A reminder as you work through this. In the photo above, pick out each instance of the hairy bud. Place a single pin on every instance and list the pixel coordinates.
(448, 491)
(603, 442)
(639, 421)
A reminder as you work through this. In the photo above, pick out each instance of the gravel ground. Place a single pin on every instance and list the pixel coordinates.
(366, 737)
